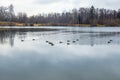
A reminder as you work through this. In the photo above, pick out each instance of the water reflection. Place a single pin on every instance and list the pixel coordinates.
(78, 36)
(7, 37)
(61, 63)
(77, 54)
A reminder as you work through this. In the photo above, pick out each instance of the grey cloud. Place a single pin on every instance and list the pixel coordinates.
(33, 6)
(47, 1)
(111, 4)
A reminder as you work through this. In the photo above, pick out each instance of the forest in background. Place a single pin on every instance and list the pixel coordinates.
(86, 16)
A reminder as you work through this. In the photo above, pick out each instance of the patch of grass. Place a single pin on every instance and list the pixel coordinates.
(55, 24)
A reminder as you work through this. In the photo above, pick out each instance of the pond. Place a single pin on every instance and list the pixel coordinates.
(60, 53)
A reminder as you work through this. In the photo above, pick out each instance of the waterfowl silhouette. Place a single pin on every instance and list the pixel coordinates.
(68, 43)
(109, 42)
(51, 44)
(22, 40)
(68, 40)
(60, 42)
(77, 39)
(74, 41)
(33, 39)
(47, 41)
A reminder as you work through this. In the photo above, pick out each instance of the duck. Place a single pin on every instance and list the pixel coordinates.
(47, 41)
(22, 40)
(109, 42)
(51, 44)
(33, 39)
(74, 41)
(68, 43)
(60, 42)
(68, 40)
(77, 39)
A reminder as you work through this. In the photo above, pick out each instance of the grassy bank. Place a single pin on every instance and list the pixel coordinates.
(49, 24)
(11, 24)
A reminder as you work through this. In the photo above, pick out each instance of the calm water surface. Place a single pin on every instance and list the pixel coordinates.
(62, 53)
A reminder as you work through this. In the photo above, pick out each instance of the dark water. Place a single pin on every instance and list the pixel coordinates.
(60, 53)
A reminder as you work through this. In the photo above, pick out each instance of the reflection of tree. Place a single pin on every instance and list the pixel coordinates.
(102, 38)
(22, 35)
(6, 36)
(91, 37)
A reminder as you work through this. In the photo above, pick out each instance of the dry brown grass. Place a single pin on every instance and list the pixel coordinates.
(58, 24)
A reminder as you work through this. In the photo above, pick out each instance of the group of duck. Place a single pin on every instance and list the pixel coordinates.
(24, 40)
(61, 42)
(110, 41)
(68, 42)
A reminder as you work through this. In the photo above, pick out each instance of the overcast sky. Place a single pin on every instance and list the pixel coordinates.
(45, 6)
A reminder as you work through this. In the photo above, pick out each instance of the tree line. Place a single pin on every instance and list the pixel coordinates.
(82, 15)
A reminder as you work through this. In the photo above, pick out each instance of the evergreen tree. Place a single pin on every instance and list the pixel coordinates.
(92, 15)
(118, 14)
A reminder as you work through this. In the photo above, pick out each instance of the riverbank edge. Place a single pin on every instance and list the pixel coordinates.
(51, 24)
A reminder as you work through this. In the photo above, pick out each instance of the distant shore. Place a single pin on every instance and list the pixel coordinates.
(50, 24)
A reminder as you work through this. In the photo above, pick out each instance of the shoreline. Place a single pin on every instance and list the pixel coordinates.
(51, 24)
